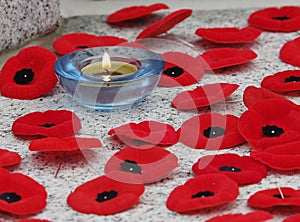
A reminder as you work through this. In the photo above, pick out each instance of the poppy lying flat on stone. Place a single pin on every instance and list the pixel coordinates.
(134, 165)
(211, 131)
(20, 194)
(203, 96)
(134, 12)
(284, 19)
(29, 74)
(104, 196)
(165, 24)
(180, 70)
(255, 216)
(228, 35)
(53, 123)
(242, 169)
(204, 191)
(292, 218)
(9, 158)
(283, 196)
(289, 52)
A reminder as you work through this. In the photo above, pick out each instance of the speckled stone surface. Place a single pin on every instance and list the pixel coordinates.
(23, 20)
(79, 169)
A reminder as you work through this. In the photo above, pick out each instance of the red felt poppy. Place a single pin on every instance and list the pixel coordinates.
(152, 132)
(270, 122)
(204, 191)
(203, 96)
(283, 196)
(29, 74)
(255, 216)
(20, 194)
(180, 70)
(289, 52)
(64, 144)
(284, 19)
(242, 169)
(52, 123)
(218, 58)
(292, 218)
(104, 196)
(284, 81)
(211, 131)
(9, 158)
(76, 41)
(165, 24)
(282, 157)
(229, 35)
(140, 165)
(134, 12)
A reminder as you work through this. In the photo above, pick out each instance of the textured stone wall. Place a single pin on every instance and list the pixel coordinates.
(22, 20)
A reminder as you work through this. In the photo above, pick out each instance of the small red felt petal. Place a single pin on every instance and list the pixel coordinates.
(9, 158)
(284, 81)
(148, 131)
(229, 35)
(273, 197)
(211, 131)
(180, 70)
(242, 169)
(204, 191)
(292, 218)
(289, 52)
(224, 57)
(255, 216)
(284, 19)
(134, 12)
(203, 96)
(134, 165)
(29, 74)
(165, 24)
(64, 144)
(20, 194)
(53, 123)
(104, 196)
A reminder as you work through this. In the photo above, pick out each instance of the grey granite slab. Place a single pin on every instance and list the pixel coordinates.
(77, 170)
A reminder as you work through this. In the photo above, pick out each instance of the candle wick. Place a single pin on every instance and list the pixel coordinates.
(107, 71)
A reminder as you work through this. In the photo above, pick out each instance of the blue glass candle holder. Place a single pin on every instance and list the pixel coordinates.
(138, 73)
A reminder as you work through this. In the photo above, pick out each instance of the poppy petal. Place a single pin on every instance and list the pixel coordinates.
(229, 35)
(9, 158)
(255, 216)
(203, 96)
(204, 191)
(29, 74)
(104, 196)
(218, 58)
(180, 70)
(283, 196)
(284, 19)
(165, 24)
(52, 123)
(289, 52)
(140, 165)
(134, 12)
(20, 194)
(64, 144)
(292, 218)
(242, 169)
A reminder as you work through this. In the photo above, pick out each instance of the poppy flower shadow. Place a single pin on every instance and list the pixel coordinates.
(212, 210)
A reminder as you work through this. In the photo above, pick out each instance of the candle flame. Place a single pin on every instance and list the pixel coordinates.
(106, 63)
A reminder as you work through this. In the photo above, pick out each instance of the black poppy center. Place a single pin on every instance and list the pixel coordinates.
(213, 132)
(230, 169)
(131, 166)
(272, 131)
(47, 125)
(292, 79)
(174, 71)
(10, 197)
(81, 47)
(201, 194)
(24, 76)
(281, 18)
(106, 195)
(281, 196)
